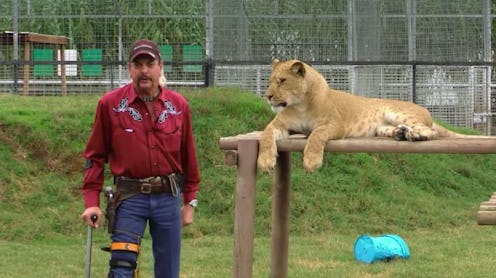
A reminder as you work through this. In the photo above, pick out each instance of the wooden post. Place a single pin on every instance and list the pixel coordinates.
(280, 216)
(244, 221)
(26, 68)
(62, 69)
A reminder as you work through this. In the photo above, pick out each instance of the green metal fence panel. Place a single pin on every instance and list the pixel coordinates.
(91, 55)
(192, 53)
(43, 55)
(166, 53)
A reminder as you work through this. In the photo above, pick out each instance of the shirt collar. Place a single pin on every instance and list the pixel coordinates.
(132, 95)
(162, 94)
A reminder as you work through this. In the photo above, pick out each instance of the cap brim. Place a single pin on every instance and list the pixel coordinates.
(143, 52)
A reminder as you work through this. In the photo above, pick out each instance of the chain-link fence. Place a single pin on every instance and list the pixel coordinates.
(436, 53)
(95, 36)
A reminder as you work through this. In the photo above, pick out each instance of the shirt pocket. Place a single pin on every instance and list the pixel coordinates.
(169, 123)
(129, 125)
(169, 133)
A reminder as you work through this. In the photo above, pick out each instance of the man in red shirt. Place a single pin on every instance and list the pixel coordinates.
(144, 132)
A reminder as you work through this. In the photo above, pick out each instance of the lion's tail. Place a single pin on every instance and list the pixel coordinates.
(444, 132)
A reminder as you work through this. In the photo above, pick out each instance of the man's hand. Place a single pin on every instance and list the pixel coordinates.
(187, 214)
(86, 216)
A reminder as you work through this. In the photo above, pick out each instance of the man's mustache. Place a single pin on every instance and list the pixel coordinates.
(142, 77)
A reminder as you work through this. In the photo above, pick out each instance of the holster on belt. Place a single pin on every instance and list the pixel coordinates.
(114, 199)
(128, 187)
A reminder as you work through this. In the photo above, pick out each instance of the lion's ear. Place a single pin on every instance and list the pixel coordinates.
(298, 68)
(275, 62)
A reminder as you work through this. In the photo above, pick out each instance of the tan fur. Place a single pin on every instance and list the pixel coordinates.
(305, 104)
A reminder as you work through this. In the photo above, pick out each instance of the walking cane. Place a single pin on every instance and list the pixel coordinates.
(88, 246)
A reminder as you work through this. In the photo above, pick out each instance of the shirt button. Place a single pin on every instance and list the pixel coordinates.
(155, 164)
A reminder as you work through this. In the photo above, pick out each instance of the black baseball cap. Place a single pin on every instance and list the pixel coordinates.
(144, 47)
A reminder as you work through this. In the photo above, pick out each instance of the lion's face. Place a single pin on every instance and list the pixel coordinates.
(287, 84)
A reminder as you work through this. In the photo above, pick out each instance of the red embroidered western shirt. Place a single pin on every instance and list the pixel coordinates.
(135, 146)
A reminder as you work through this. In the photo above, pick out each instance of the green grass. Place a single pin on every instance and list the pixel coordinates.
(430, 200)
(466, 251)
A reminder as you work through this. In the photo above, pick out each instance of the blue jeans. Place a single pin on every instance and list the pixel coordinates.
(163, 212)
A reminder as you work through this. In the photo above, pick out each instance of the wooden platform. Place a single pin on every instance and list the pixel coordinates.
(297, 142)
(28, 39)
(242, 150)
(487, 211)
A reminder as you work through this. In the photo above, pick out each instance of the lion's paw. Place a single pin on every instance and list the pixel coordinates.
(415, 136)
(404, 132)
(401, 132)
(266, 163)
(311, 165)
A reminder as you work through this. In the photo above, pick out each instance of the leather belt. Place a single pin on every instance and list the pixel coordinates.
(150, 185)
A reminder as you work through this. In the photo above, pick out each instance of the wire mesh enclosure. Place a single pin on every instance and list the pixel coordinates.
(433, 52)
(98, 34)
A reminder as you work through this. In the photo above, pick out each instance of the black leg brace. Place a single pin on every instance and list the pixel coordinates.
(119, 263)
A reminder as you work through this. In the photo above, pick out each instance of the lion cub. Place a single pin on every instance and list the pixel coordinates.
(305, 104)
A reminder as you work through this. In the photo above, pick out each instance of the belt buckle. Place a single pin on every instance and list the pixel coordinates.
(146, 188)
(157, 179)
